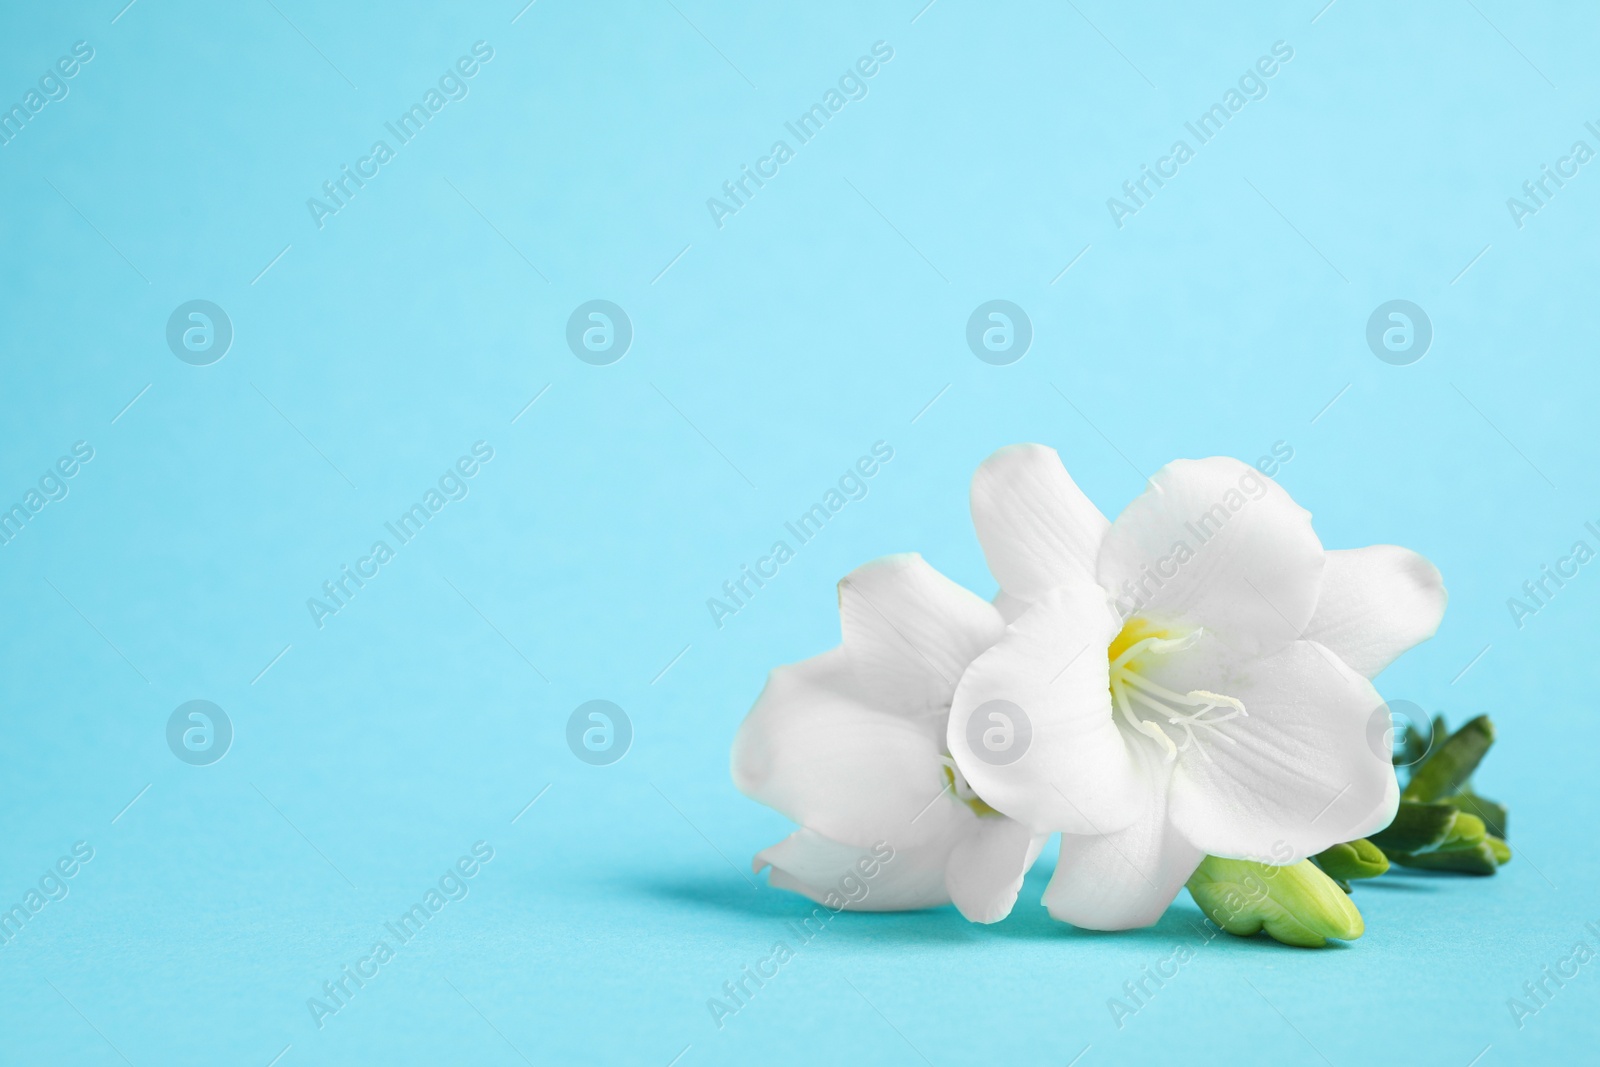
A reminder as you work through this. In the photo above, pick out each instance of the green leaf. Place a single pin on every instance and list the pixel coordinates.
(1352, 860)
(1447, 770)
(1297, 904)
(1501, 850)
(1492, 813)
(1416, 828)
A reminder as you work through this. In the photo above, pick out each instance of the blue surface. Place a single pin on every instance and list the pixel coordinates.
(371, 352)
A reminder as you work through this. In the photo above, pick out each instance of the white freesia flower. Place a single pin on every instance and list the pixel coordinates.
(1195, 676)
(851, 745)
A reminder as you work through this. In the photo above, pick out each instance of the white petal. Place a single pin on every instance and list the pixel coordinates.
(909, 632)
(1304, 769)
(1074, 772)
(1035, 525)
(1376, 602)
(1216, 543)
(1009, 607)
(985, 870)
(1126, 879)
(815, 750)
(835, 874)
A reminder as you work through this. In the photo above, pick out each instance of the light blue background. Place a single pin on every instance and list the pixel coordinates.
(821, 318)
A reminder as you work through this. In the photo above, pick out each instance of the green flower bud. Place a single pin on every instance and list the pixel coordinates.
(1477, 859)
(1492, 813)
(1447, 770)
(1466, 849)
(1414, 745)
(1416, 828)
(1352, 860)
(1466, 833)
(1298, 904)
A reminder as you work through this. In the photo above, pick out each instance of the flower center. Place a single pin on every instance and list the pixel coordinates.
(1144, 705)
(957, 784)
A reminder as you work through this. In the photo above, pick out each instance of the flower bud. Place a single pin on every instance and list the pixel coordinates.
(1352, 860)
(1297, 904)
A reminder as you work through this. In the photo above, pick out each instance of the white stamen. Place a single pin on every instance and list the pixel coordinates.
(1144, 726)
(1128, 686)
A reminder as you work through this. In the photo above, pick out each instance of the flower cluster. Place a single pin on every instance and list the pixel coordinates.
(1178, 692)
